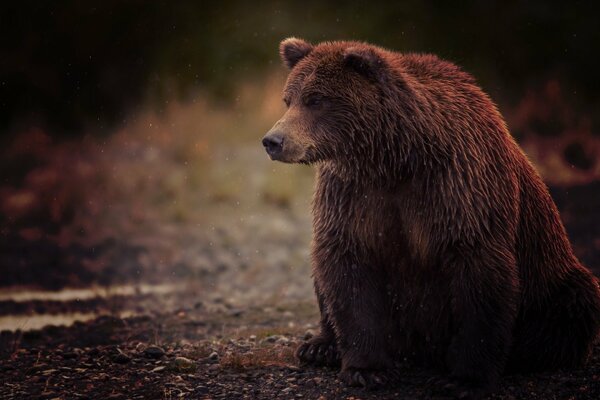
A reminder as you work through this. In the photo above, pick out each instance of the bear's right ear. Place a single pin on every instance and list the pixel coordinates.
(293, 50)
(365, 61)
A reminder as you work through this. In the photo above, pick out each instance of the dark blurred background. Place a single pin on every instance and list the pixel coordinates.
(129, 147)
(70, 65)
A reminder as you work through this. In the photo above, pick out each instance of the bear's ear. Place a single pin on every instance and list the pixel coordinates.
(293, 50)
(365, 61)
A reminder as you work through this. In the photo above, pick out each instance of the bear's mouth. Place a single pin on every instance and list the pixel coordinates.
(309, 156)
(293, 153)
(293, 156)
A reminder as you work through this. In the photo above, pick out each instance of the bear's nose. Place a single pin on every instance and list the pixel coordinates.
(273, 144)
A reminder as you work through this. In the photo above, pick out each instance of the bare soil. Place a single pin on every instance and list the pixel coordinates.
(216, 352)
(241, 303)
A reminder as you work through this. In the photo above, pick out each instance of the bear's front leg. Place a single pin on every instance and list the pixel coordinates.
(322, 348)
(484, 289)
(354, 295)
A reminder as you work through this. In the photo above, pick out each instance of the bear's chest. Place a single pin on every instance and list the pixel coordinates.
(381, 224)
(373, 221)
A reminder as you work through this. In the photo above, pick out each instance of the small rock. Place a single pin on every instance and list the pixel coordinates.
(69, 355)
(252, 338)
(158, 369)
(309, 334)
(236, 312)
(121, 358)
(282, 340)
(37, 367)
(140, 347)
(154, 352)
(93, 352)
(214, 356)
(49, 371)
(271, 339)
(183, 364)
(201, 389)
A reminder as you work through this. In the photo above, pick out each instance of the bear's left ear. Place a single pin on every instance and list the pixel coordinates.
(365, 61)
(293, 50)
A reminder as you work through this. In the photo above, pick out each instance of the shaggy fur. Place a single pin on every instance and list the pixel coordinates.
(434, 237)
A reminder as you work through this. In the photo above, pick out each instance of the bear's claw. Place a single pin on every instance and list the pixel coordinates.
(457, 389)
(370, 379)
(318, 351)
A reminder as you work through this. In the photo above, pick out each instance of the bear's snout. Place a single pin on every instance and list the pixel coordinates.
(273, 143)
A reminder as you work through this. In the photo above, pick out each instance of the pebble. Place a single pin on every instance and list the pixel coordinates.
(236, 312)
(154, 352)
(214, 356)
(309, 334)
(282, 340)
(69, 355)
(121, 358)
(93, 352)
(201, 389)
(271, 339)
(49, 371)
(182, 364)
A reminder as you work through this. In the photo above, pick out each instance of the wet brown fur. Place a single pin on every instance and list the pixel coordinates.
(434, 237)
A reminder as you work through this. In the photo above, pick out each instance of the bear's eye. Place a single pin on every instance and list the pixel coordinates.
(314, 101)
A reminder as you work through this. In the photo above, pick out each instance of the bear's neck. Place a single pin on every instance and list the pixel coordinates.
(366, 174)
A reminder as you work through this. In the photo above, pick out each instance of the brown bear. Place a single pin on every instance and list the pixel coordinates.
(435, 239)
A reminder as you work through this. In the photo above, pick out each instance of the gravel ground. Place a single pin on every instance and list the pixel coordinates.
(241, 302)
(216, 352)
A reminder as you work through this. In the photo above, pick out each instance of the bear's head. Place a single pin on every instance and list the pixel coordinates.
(337, 108)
